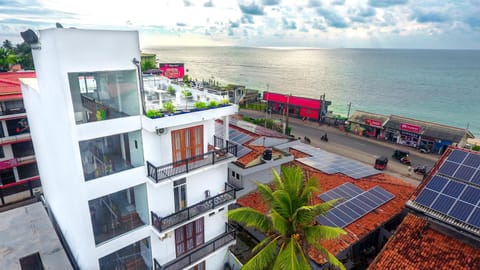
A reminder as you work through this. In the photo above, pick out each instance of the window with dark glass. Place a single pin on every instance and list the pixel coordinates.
(27, 171)
(7, 176)
(136, 256)
(23, 149)
(104, 95)
(112, 154)
(17, 126)
(31, 262)
(189, 236)
(118, 213)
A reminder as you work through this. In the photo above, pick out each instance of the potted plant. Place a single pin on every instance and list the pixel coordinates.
(200, 105)
(213, 104)
(171, 90)
(101, 114)
(186, 93)
(224, 102)
(169, 107)
(154, 114)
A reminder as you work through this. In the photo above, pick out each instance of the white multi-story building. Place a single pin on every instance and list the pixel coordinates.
(127, 191)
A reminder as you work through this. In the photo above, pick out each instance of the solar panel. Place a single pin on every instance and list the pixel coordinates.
(331, 163)
(345, 191)
(356, 207)
(457, 156)
(452, 198)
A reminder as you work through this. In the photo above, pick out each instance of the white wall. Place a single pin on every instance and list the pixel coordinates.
(52, 123)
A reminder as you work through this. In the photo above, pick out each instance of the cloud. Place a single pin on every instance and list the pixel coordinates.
(303, 29)
(234, 24)
(181, 24)
(187, 3)
(318, 25)
(314, 3)
(230, 32)
(247, 19)
(288, 25)
(362, 14)
(430, 17)
(473, 21)
(270, 2)
(332, 18)
(251, 9)
(386, 3)
(209, 4)
(338, 2)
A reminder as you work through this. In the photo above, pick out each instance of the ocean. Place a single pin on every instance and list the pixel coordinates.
(441, 86)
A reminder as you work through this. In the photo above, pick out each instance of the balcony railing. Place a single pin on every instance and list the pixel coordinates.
(163, 172)
(163, 223)
(219, 142)
(198, 253)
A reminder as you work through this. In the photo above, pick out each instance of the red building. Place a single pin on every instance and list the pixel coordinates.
(300, 107)
(18, 166)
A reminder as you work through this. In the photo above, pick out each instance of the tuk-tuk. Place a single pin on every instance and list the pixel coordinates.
(381, 163)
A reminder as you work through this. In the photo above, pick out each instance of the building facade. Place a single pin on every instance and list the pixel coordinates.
(18, 167)
(127, 191)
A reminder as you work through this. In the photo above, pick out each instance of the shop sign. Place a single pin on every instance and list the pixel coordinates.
(373, 123)
(410, 134)
(8, 163)
(410, 128)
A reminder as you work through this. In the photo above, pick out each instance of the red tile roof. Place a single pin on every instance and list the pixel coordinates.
(416, 245)
(10, 84)
(364, 225)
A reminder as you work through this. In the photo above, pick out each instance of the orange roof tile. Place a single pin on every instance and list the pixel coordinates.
(416, 245)
(10, 84)
(364, 225)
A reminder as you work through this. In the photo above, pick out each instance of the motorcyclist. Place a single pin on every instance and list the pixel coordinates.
(406, 159)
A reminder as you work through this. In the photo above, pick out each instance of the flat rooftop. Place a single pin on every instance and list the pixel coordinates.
(25, 231)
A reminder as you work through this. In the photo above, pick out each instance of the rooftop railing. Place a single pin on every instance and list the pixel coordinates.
(199, 252)
(163, 223)
(163, 172)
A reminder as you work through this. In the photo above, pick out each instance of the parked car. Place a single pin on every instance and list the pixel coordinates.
(381, 163)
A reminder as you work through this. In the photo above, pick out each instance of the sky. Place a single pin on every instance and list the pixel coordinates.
(415, 24)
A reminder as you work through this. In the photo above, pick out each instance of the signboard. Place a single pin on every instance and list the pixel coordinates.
(373, 123)
(410, 128)
(172, 70)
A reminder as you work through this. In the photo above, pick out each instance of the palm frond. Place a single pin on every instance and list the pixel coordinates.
(279, 223)
(251, 218)
(277, 179)
(330, 257)
(264, 242)
(313, 234)
(282, 203)
(292, 180)
(323, 208)
(310, 187)
(263, 258)
(289, 257)
(266, 192)
(303, 215)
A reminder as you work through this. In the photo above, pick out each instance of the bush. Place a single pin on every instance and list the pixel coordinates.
(225, 101)
(200, 105)
(169, 107)
(186, 93)
(213, 104)
(154, 113)
(476, 148)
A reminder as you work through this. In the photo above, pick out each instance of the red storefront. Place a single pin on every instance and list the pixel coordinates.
(300, 107)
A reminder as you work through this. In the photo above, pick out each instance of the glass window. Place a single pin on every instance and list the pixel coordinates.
(104, 95)
(2, 154)
(135, 256)
(112, 154)
(118, 213)
(22, 149)
(17, 126)
(7, 176)
(27, 170)
(189, 236)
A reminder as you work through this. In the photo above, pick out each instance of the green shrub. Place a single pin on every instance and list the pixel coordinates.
(476, 148)
(171, 90)
(101, 115)
(186, 93)
(225, 101)
(213, 104)
(200, 105)
(169, 107)
(154, 113)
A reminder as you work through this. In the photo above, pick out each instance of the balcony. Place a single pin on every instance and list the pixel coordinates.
(164, 223)
(200, 252)
(163, 172)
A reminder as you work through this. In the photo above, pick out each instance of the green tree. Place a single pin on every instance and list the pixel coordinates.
(148, 64)
(7, 58)
(289, 225)
(24, 55)
(7, 44)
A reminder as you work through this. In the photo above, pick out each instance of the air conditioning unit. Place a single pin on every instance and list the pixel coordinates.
(161, 131)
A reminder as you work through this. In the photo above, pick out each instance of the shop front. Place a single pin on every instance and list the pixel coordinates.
(299, 107)
(367, 124)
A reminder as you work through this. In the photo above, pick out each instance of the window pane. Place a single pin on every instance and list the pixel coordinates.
(104, 95)
(135, 256)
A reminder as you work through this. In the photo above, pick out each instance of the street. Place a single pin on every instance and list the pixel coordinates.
(362, 149)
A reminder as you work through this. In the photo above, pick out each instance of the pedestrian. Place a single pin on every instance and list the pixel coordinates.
(409, 170)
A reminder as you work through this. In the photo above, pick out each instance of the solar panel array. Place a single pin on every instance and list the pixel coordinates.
(345, 191)
(331, 163)
(236, 137)
(454, 190)
(356, 207)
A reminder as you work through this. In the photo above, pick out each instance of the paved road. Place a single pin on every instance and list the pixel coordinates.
(363, 149)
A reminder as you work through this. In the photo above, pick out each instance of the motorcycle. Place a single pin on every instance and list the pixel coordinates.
(324, 138)
(421, 170)
(406, 160)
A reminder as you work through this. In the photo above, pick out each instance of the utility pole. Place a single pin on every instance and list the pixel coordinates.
(349, 107)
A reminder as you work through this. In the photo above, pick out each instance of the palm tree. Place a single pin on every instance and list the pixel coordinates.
(289, 225)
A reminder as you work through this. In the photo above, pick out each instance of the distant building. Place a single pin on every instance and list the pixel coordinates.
(442, 229)
(29, 241)
(18, 167)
